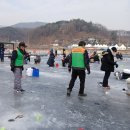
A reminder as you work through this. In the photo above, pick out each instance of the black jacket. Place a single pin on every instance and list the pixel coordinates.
(108, 61)
(51, 59)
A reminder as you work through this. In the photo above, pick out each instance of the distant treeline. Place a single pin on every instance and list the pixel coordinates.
(61, 32)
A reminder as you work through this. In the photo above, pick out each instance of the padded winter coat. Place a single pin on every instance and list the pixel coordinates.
(107, 61)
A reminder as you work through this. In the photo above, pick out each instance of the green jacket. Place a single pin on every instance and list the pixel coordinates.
(20, 59)
(78, 58)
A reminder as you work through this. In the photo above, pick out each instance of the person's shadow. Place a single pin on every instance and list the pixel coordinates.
(18, 101)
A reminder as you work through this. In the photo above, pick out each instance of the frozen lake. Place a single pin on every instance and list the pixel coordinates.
(45, 106)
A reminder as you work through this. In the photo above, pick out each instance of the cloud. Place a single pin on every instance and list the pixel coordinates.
(114, 14)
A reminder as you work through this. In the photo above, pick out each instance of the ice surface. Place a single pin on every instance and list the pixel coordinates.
(45, 106)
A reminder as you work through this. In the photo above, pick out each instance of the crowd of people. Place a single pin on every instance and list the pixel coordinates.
(78, 61)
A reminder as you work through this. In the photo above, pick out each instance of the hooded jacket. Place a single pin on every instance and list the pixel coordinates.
(107, 61)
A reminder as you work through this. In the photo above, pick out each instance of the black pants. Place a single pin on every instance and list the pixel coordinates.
(2, 59)
(63, 63)
(81, 74)
(105, 79)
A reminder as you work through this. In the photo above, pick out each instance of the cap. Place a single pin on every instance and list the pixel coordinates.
(82, 43)
(22, 44)
(114, 49)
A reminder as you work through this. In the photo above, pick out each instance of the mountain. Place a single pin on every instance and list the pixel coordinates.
(11, 34)
(63, 33)
(28, 25)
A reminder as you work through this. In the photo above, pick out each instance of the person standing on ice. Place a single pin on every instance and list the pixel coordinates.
(17, 62)
(63, 59)
(51, 59)
(79, 62)
(107, 65)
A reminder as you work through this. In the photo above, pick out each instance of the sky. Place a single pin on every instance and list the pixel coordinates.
(113, 14)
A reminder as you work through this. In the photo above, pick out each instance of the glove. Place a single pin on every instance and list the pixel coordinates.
(69, 69)
(88, 69)
(12, 68)
(22, 68)
(116, 65)
(88, 72)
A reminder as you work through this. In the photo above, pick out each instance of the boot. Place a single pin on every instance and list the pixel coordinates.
(68, 92)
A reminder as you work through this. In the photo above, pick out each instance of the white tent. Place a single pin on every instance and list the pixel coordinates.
(88, 45)
(98, 46)
(95, 45)
(117, 46)
(105, 46)
(122, 47)
(74, 45)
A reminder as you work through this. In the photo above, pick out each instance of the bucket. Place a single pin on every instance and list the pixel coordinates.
(35, 72)
(29, 72)
(57, 65)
